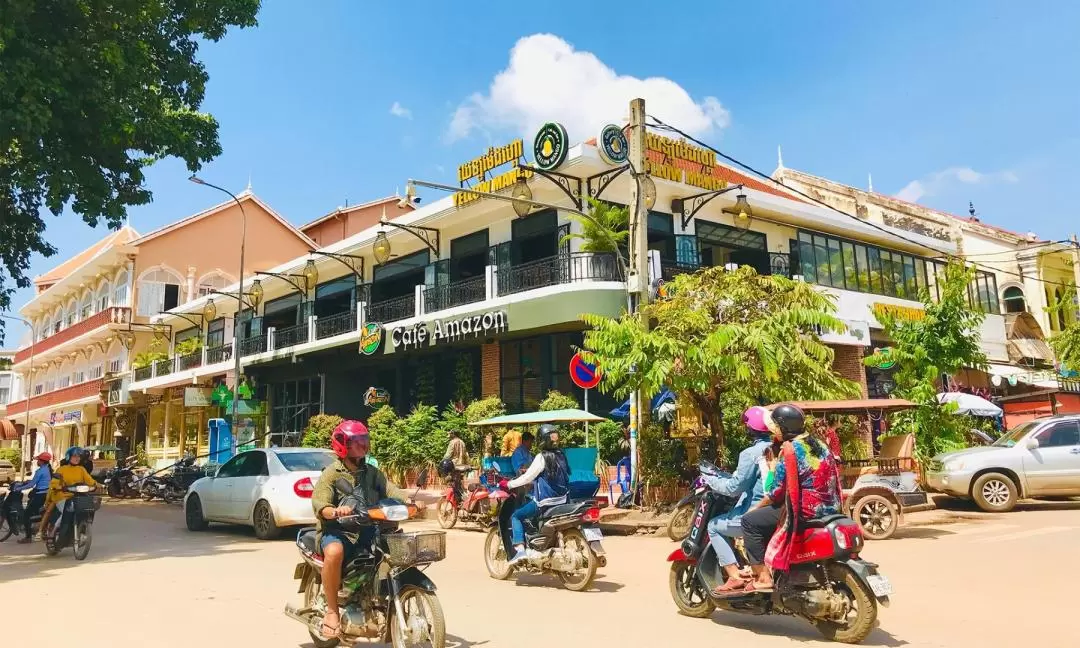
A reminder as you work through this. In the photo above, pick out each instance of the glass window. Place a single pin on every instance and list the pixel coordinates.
(806, 257)
(821, 257)
(888, 282)
(862, 265)
(255, 466)
(233, 466)
(305, 461)
(1014, 300)
(1058, 435)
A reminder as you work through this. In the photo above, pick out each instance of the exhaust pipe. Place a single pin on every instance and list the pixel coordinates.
(303, 615)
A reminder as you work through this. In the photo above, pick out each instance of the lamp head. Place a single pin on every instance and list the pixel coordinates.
(381, 248)
(520, 193)
(311, 275)
(256, 293)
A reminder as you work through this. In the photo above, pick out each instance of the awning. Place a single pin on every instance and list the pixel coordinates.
(1026, 338)
(536, 418)
(8, 432)
(862, 406)
(970, 404)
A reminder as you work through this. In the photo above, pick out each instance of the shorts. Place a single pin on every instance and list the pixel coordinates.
(366, 536)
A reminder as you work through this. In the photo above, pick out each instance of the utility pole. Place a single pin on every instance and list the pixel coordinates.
(638, 281)
(1076, 275)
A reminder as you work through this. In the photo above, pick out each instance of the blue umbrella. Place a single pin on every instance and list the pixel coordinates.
(622, 412)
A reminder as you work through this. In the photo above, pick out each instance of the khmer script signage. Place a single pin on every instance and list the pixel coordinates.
(448, 330)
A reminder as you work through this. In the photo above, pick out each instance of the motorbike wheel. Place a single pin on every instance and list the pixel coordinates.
(116, 491)
(51, 548)
(688, 592)
(876, 516)
(495, 556)
(7, 527)
(431, 623)
(863, 616)
(147, 492)
(679, 525)
(311, 600)
(447, 513)
(579, 581)
(81, 538)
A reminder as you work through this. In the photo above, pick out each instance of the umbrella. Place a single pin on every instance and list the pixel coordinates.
(535, 418)
(970, 404)
(623, 411)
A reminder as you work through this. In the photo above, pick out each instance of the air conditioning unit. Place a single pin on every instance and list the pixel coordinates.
(118, 390)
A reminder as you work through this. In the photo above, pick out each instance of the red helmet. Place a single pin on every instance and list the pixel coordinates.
(44, 456)
(345, 432)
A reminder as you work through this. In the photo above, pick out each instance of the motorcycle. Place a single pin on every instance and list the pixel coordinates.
(11, 512)
(75, 523)
(472, 504)
(120, 480)
(828, 584)
(152, 486)
(679, 525)
(568, 542)
(183, 475)
(385, 596)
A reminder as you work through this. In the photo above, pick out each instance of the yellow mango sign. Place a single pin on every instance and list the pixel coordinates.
(900, 312)
(677, 161)
(478, 169)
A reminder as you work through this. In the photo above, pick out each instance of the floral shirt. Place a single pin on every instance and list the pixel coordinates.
(817, 475)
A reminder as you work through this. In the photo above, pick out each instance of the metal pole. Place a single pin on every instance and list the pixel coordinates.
(639, 273)
(587, 424)
(239, 306)
(29, 388)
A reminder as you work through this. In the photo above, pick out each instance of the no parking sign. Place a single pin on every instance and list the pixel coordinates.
(584, 375)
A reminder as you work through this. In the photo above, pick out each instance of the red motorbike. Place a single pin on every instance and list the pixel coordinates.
(472, 504)
(827, 584)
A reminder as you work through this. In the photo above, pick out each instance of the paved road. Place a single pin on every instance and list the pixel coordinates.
(974, 582)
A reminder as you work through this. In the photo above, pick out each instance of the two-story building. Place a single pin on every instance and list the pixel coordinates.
(464, 297)
(92, 328)
(9, 388)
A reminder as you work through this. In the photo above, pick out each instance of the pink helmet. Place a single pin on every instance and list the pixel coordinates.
(754, 418)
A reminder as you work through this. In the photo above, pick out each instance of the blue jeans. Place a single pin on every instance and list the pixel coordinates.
(517, 520)
(719, 527)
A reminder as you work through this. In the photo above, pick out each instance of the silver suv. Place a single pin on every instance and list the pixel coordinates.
(1040, 458)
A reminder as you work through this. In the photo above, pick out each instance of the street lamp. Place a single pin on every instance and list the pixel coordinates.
(209, 311)
(381, 249)
(29, 380)
(239, 299)
(519, 194)
(255, 295)
(741, 213)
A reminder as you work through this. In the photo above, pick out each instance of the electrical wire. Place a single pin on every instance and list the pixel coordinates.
(660, 125)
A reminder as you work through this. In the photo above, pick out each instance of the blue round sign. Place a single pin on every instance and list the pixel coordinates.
(584, 375)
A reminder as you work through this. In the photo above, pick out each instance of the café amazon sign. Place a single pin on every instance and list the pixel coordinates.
(453, 329)
(480, 168)
(678, 161)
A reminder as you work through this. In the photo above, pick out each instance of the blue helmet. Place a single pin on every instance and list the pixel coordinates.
(72, 451)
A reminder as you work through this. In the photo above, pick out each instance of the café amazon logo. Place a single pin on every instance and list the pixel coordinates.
(612, 145)
(550, 146)
(371, 337)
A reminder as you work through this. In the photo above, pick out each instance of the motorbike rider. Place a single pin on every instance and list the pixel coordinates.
(457, 452)
(68, 474)
(551, 473)
(38, 485)
(350, 442)
(522, 457)
(747, 485)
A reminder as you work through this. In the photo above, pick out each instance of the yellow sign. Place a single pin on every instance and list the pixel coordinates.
(899, 312)
(497, 183)
(495, 157)
(696, 165)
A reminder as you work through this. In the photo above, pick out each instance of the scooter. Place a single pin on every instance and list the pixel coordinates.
(11, 510)
(76, 522)
(683, 514)
(828, 584)
(472, 504)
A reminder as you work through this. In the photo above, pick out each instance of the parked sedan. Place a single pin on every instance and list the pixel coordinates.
(267, 489)
(1040, 458)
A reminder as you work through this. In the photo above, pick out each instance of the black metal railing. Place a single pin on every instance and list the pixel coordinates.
(291, 336)
(392, 310)
(670, 269)
(163, 367)
(556, 270)
(189, 361)
(219, 353)
(766, 263)
(143, 373)
(252, 345)
(468, 291)
(337, 324)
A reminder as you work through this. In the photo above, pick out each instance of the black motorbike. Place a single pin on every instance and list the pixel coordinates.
(384, 594)
(11, 510)
(76, 523)
(120, 480)
(183, 475)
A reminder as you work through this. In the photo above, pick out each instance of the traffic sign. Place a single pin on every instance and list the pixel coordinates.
(584, 375)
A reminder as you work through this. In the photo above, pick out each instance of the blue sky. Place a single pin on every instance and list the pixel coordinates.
(941, 102)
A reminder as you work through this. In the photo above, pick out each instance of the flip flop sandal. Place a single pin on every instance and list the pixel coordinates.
(336, 634)
(730, 587)
(760, 589)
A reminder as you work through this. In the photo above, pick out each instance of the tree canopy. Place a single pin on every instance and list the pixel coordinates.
(91, 93)
(1066, 343)
(726, 340)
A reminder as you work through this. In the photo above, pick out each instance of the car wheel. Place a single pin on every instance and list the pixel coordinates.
(266, 527)
(994, 493)
(193, 514)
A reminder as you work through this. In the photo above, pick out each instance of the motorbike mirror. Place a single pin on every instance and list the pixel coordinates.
(343, 486)
(422, 480)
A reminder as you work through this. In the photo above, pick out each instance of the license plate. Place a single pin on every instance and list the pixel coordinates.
(593, 535)
(298, 572)
(880, 585)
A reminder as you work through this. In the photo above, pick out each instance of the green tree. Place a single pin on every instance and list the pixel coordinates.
(1066, 343)
(318, 431)
(604, 230)
(941, 343)
(726, 340)
(91, 94)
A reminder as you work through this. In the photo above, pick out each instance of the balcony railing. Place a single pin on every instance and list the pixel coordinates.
(58, 396)
(143, 373)
(163, 367)
(291, 335)
(556, 270)
(392, 310)
(112, 315)
(252, 345)
(189, 361)
(767, 263)
(332, 325)
(219, 353)
(458, 293)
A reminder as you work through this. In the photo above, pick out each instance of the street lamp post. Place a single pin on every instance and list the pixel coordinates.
(29, 383)
(239, 301)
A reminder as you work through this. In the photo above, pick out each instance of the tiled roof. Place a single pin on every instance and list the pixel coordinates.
(125, 234)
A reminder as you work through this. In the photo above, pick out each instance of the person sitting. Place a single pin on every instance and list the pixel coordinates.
(70, 473)
(551, 473)
(748, 486)
(814, 479)
(456, 451)
(522, 457)
(350, 442)
(38, 486)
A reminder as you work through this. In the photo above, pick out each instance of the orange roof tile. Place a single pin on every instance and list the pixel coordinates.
(123, 235)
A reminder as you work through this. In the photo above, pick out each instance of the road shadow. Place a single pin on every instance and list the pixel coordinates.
(551, 581)
(920, 533)
(451, 642)
(795, 629)
(946, 503)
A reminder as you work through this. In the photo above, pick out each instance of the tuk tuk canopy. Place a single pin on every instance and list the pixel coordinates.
(538, 418)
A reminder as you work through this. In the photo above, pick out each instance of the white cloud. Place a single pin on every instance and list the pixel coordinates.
(397, 110)
(548, 80)
(939, 181)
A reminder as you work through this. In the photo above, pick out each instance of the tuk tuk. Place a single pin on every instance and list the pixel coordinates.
(878, 490)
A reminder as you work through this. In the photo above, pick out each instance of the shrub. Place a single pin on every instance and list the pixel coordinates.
(484, 408)
(613, 442)
(13, 454)
(381, 427)
(319, 428)
(556, 400)
(662, 457)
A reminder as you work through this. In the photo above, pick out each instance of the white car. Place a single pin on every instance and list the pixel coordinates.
(267, 489)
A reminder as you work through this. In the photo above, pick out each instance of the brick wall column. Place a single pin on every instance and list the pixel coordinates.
(490, 370)
(848, 362)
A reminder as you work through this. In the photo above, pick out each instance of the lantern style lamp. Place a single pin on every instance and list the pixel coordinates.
(311, 275)
(519, 193)
(256, 294)
(381, 247)
(209, 311)
(741, 213)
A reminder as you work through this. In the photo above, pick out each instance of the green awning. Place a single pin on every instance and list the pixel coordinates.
(536, 418)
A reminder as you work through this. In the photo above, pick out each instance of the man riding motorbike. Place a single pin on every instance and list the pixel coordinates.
(68, 474)
(747, 484)
(522, 457)
(350, 442)
(38, 486)
(551, 473)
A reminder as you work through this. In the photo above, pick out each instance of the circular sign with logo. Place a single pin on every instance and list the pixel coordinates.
(612, 145)
(887, 361)
(550, 146)
(584, 375)
(371, 337)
